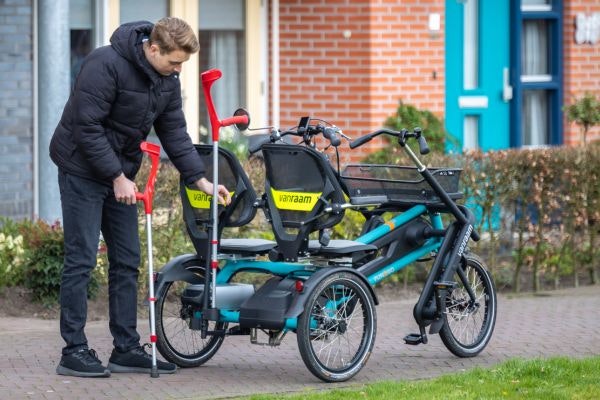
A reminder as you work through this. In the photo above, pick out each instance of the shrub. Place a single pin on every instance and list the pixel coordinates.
(585, 112)
(11, 253)
(35, 259)
(408, 117)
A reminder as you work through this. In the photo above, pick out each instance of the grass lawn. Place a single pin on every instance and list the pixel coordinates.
(547, 379)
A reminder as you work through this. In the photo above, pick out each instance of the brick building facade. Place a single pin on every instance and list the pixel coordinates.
(582, 64)
(346, 61)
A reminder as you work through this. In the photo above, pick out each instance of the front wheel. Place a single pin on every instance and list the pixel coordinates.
(469, 323)
(177, 341)
(336, 331)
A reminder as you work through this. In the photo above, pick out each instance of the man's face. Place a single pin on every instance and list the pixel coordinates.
(168, 63)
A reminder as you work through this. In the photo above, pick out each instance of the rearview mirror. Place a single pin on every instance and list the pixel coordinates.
(240, 112)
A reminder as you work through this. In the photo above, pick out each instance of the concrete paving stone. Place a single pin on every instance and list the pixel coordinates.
(527, 326)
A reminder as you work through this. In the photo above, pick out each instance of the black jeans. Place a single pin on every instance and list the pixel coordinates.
(89, 207)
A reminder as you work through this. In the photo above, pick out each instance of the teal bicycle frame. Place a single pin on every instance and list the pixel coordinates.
(232, 266)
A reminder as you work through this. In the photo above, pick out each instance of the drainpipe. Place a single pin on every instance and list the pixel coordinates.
(36, 152)
(54, 71)
(275, 62)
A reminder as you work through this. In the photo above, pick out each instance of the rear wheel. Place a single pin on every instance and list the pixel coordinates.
(469, 324)
(176, 340)
(336, 331)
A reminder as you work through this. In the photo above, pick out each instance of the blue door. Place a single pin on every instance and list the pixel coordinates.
(478, 91)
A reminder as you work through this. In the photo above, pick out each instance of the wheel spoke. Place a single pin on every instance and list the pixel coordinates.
(468, 320)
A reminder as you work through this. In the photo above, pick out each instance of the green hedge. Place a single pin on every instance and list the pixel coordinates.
(538, 212)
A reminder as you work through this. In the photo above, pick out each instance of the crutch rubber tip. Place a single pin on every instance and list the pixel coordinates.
(154, 372)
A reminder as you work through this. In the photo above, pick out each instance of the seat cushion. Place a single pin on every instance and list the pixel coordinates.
(245, 246)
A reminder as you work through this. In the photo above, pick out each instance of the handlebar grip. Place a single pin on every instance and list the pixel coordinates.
(360, 141)
(256, 146)
(423, 147)
(330, 133)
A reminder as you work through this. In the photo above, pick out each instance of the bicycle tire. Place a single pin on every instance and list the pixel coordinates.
(460, 313)
(176, 341)
(339, 311)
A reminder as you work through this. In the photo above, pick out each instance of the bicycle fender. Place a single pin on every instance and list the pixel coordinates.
(177, 270)
(297, 306)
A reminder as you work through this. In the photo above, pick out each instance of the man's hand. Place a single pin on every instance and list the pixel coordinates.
(124, 189)
(207, 187)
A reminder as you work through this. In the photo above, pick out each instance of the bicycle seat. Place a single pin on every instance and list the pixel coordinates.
(299, 185)
(246, 247)
(196, 207)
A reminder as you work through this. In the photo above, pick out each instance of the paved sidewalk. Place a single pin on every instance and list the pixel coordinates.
(564, 322)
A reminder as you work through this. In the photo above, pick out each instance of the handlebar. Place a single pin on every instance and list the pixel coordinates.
(306, 132)
(153, 151)
(460, 213)
(402, 136)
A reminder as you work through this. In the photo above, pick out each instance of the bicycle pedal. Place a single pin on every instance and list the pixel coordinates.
(415, 338)
(444, 284)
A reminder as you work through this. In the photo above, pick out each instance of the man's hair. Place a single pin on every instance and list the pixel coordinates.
(171, 34)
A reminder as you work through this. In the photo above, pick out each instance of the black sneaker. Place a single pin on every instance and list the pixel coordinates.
(83, 363)
(137, 360)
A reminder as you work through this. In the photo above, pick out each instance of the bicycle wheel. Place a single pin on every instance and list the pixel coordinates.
(468, 324)
(336, 330)
(176, 341)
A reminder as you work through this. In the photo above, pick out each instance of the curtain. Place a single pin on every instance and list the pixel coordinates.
(534, 65)
(534, 49)
(224, 55)
(535, 118)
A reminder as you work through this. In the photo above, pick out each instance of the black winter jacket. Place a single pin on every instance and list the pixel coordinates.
(116, 99)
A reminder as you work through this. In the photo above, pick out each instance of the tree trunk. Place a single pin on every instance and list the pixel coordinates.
(519, 264)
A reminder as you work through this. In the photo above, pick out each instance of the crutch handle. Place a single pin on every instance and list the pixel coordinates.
(240, 119)
(153, 151)
(208, 78)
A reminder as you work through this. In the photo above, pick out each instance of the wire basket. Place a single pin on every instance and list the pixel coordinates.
(400, 184)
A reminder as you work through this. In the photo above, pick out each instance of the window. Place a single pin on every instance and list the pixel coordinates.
(537, 62)
(81, 16)
(535, 118)
(471, 45)
(138, 10)
(222, 39)
(534, 51)
(471, 132)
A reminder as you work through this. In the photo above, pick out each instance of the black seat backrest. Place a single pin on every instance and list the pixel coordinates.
(196, 204)
(299, 184)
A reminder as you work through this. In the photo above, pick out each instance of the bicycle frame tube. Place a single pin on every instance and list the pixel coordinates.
(430, 245)
(392, 224)
(276, 268)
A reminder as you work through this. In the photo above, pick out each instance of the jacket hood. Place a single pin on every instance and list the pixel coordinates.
(127, 41)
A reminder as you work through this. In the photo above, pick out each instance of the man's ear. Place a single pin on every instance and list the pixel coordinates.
(154, 49)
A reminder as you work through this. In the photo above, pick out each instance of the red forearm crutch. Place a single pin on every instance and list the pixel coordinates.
(146, 197)
(208, 78)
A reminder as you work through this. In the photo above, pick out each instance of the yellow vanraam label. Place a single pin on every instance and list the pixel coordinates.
(295, 201)
(199, 199)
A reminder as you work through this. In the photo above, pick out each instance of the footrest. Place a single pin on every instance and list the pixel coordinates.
(415, 338)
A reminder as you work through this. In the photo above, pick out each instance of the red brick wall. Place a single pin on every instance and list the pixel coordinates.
(356, 80)
(581, 65)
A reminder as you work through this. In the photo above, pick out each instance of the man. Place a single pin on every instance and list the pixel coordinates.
(121, 91)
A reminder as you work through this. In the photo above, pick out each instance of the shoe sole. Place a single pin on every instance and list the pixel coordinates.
(124, 369)
(60, 370)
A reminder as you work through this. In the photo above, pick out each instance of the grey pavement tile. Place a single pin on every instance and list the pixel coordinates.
(527, 326)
